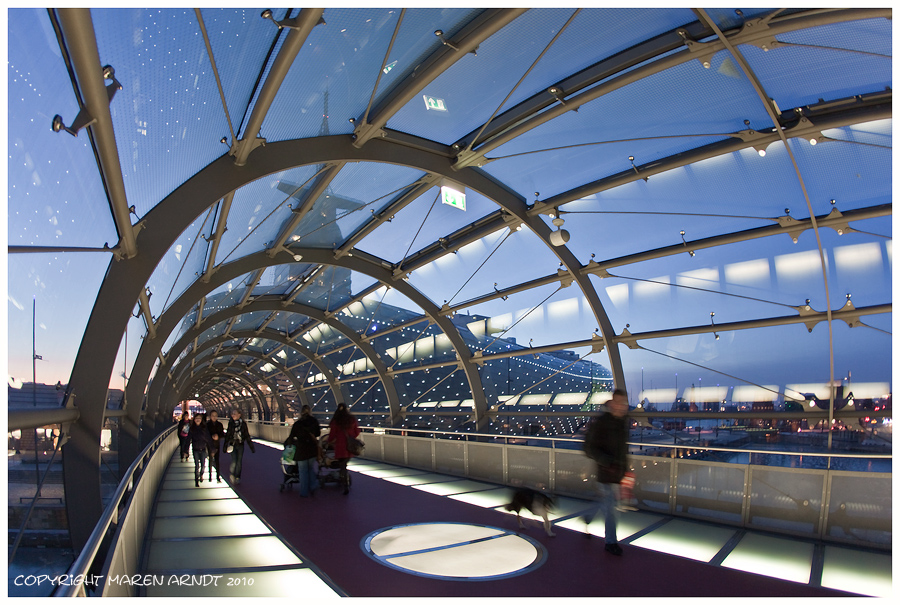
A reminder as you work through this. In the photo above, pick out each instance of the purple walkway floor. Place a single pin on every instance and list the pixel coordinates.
(328, 529)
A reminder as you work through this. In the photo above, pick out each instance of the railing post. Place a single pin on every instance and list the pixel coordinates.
(745, 501)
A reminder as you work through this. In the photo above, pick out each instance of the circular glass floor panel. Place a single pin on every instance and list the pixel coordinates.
(454, 551)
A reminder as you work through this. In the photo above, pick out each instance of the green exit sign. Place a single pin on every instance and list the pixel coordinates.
(453, 197)
(434, 103)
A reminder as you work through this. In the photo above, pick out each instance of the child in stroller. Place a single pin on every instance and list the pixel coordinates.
(291, 476)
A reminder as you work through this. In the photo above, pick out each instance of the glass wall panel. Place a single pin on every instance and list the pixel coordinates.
(55, 193)
(169, 105)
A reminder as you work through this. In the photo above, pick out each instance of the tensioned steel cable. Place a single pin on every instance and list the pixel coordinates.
(408, 345)
(662, 283)
(785, 395)
(212, 60)
(540, 304)
(651, 213)
(764, 98)
(509, 232)
(525, 75)
(186, 257)
(383, 63)
(364, 206)
(455, 370)
(562, 369)
(846, 50)
(268, 216)
(576, 145)
(419, 230)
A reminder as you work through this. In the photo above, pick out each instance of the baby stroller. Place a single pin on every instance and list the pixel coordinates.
(329, 468)
(289, 470)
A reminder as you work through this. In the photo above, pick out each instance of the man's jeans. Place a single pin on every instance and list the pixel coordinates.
(607, 501)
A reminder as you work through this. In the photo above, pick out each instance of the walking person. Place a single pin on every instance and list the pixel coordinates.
(199, 440)
(184, 427)
(342, 427)
(236, 436)
(305, 437)
(217, 434)
(606, 442)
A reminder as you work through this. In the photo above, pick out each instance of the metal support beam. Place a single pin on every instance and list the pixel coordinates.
(303, 24)
(81, 43)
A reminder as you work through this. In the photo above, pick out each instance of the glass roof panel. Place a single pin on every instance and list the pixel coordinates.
(251, 321)
(842, 75)
(340, 59)
(423, 222)
(678, 366)
(359, 190)
(492, 259)
(329, 289)
(168, 118)
(62, 289)
(240, 41)
(859, 264)
(580, 47)
(180, 266)
(703, 105)
(55, 194)
(260, 209)
(846, 172)
(865, 35)
(416, 40)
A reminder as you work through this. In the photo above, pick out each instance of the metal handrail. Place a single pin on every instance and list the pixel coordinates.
(81, 566)
(425, 432)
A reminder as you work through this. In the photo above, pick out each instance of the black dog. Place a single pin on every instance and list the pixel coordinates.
(534, 502)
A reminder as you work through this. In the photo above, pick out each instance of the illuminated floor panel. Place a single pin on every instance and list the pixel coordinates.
(454, 487)
(630, 523)
(210, 526)
(220, 553)
(857, 571)
(196, 508)
(194, 493)
(490, 558)
(491, 498)
(774, 557)
(206, 542)
(685, 539)
(421, 479)
(390, 472)
(455, 551)
(280, 583)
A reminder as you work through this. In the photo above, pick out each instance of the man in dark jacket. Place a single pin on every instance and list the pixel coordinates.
(305, 437)
(236, 436)
(609, 440)
(217, 433)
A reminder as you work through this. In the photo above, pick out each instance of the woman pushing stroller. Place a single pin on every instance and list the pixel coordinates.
(343, 427)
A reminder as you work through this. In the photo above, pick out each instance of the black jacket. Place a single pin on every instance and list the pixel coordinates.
(199, 437)
(612, 442)
(243, 435)
(216, 428)
(304, 435)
